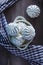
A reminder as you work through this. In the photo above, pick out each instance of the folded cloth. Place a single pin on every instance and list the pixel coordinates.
(5, 4)
(33, 54)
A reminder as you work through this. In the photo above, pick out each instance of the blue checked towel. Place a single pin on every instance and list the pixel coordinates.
(34, 53)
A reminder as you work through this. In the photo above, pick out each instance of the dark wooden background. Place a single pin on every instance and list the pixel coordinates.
(19, 9)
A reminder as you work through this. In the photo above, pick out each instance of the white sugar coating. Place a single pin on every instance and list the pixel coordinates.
(33, 11)
(21, 25)
(12, 29)
(18, 41)
(20, 31)
(28, 32)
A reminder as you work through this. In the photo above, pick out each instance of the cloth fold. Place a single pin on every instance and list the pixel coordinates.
(34, 53)
(5, 4)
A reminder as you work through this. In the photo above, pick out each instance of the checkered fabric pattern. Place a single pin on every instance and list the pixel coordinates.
(6, 4)
(33, 54)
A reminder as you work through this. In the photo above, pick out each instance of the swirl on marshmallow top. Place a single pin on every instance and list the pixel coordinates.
(33, 11)
(20, 31)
